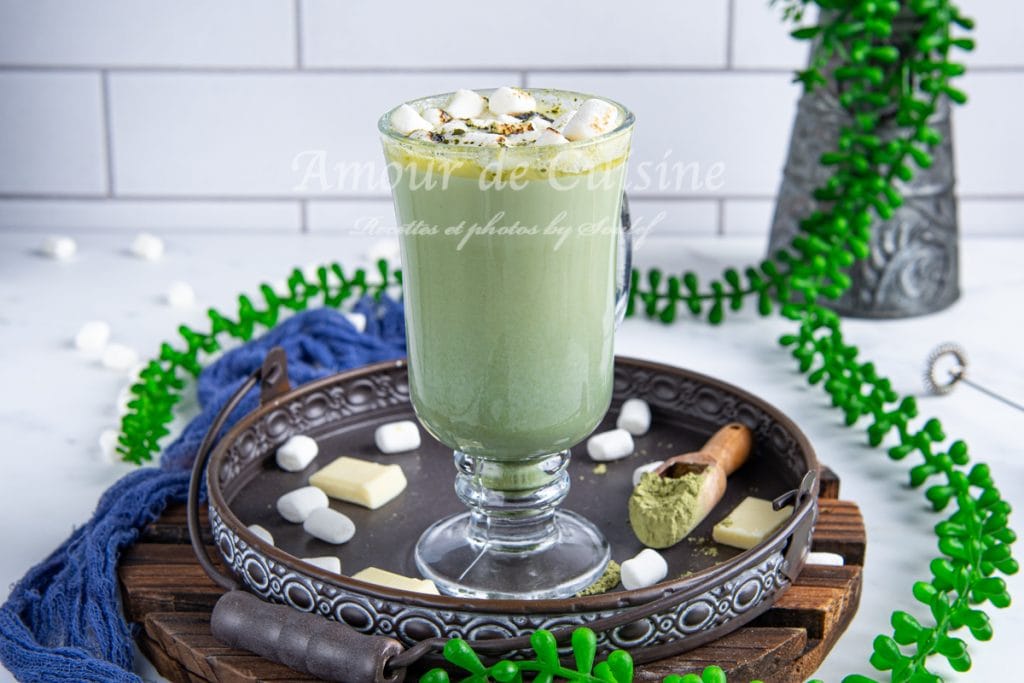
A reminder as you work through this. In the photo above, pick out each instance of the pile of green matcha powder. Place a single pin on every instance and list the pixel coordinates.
(662, 509)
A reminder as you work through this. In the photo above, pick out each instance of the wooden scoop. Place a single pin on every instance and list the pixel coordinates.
(722, 455)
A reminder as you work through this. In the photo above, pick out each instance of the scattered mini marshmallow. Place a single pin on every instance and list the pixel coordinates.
(328, 563)
(595, 117)
(634, 417)
(329, 526)
(646, 569)
(397, 437)
(299, 504)
(827, 559)
(639, 472)
(405, 120)
(180, 295)
(507, 100)
(465, 104)
(435, 117)
(358, 321)
(124, 397)
(261, 533)
(611, 445)
(550, 136)
(59, 248)
(108, 445)
(119, 357)
(295, 454)
(147, 246)
(93, 336)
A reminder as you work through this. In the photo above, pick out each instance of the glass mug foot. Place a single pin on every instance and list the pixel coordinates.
(513, 543)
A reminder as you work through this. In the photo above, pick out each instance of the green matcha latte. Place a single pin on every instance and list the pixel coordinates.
(508, 203)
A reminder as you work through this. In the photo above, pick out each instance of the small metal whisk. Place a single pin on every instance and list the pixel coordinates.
(956, 375)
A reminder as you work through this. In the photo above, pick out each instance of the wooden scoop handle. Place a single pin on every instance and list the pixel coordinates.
(729, 446)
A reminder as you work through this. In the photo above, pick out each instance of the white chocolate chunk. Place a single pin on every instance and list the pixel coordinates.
(328, 563)
(392, 580)
(634, 417)
(261, 533)
(465, 104)
(507, 100)
(611, 445)
(405, 120)
(59, 248)
(435, 117)
(147, 246)
(396, 437)
(639, 472)
(358, 321)
(550, 136)
(299, 504)
(595, 117)
(119, 357)
(295, 454)
(360, 481)
(749, 523)
(329, 526)
(826, 559)
(646, 569)
(92, 337)
(180, 295)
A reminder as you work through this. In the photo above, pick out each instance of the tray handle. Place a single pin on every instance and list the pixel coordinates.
(304, 641)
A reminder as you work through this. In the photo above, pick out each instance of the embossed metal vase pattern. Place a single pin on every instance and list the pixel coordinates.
(913, 265)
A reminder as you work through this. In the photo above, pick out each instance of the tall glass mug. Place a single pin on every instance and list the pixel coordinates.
(511, 280)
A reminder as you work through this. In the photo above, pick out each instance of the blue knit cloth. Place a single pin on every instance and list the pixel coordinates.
(63, 620)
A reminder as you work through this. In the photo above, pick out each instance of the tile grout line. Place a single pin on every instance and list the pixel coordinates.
(304, 216)
(721, 218)
(297, 18)
(108, 132)
(730, 32)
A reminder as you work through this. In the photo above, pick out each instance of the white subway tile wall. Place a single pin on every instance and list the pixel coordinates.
(261, 114)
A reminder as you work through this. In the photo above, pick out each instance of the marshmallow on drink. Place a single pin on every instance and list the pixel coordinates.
(435, 117)
(465, 104)
(551, 137)
(595, 117)
(405, 120)
(507, 100)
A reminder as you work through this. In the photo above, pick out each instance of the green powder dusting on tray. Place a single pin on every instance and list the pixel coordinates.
(609, 580)
(663, 509)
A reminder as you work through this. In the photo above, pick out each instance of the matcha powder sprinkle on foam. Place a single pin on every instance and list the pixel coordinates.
(662, 509)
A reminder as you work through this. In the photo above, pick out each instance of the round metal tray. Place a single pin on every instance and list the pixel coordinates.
(710, 590)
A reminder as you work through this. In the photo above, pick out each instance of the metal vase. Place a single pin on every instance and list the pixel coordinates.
(913, 267)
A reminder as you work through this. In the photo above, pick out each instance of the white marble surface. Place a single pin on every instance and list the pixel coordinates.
(54, 403)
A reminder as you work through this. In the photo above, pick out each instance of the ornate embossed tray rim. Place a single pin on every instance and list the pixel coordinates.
(276, 575)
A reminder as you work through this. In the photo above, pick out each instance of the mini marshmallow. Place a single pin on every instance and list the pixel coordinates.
(405, 120)
(180, 295)
(119, 357)
(507, 100)
(92, 337)
(148, 247)
(465, 104)
(595, 117)
(639, 472)
(435, 117)
(489, 122)
(396, 437)
(551, 136)
(560, 121)
(295, 454)
(261, 533)
(634, 417)
(479, 138)
(358, 321)
(59, 248)
(108, 444)
(646, 569)
(329, 526)
(299, 504)
(328, 563)
(611, 445)
(827, 559)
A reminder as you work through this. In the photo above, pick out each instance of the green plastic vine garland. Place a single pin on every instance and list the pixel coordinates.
(872, 71)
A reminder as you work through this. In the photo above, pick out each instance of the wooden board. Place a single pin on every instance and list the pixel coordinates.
(165, 591)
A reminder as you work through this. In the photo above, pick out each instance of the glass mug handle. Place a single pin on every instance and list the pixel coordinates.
(625, 262)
